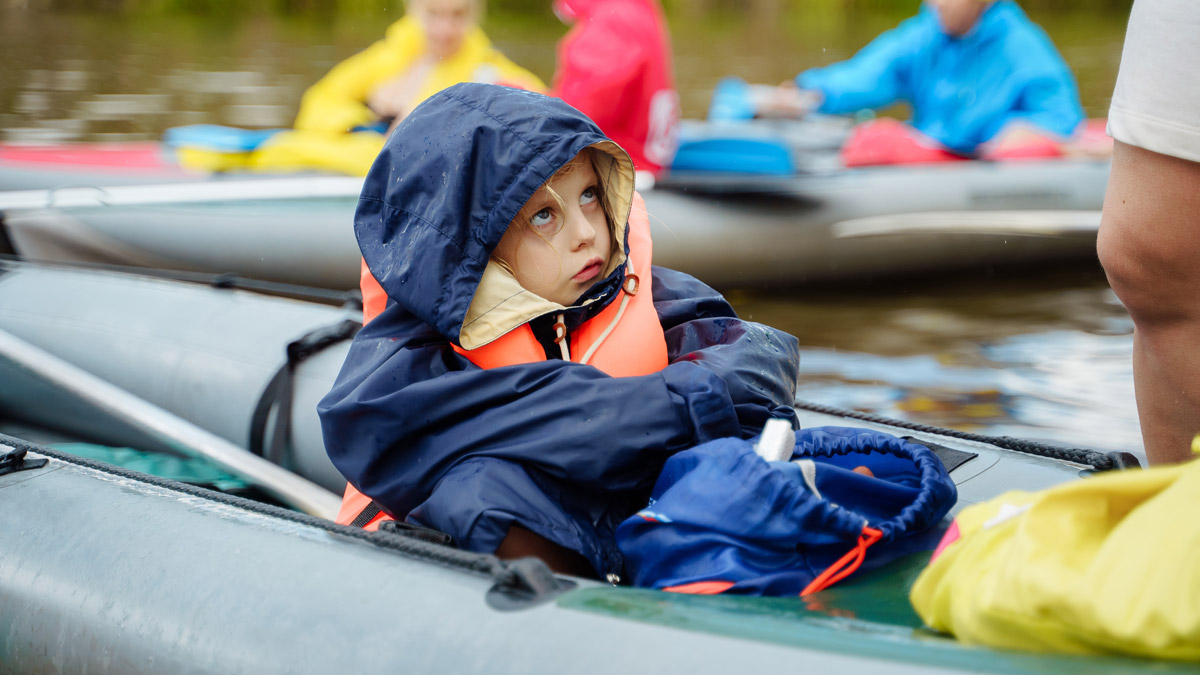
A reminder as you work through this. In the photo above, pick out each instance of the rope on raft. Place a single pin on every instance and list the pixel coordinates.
(1094, 458)
(526, 577)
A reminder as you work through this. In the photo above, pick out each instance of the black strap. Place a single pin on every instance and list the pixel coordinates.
(278, 393)
(399, 527)
(367, 514)
(403, 529)
(14, 460)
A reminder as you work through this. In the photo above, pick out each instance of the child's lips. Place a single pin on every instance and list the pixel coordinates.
(589, 271)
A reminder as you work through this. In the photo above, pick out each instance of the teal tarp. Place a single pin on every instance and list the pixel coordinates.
(184, 469)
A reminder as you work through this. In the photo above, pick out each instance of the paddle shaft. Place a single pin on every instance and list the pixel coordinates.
(170, 428)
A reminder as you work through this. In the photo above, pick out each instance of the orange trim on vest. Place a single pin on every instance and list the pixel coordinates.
(374, 298)
(354, 503)
(636, 346)
(517, 346)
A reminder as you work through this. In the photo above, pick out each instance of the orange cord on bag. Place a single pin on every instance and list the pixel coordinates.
(846, 565)
(701, 587)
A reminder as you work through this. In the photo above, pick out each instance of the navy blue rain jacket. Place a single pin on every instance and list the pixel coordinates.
(559, 448)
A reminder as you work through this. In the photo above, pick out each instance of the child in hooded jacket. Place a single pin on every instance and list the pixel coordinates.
(531, 370)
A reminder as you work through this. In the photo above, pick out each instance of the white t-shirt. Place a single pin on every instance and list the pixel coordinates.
(1156, 103)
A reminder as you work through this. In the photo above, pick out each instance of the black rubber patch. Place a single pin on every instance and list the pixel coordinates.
(951, 458)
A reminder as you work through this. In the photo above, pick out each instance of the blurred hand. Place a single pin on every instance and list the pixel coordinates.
(1012, 136)
(390, 100)
(387, 100)
(787, 101)
(1090, 140)
(395, 121)
(1021, 140)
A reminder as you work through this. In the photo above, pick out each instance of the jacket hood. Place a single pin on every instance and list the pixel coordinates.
(443, 190)
(992, 22)
(574, 10)
(571, 10)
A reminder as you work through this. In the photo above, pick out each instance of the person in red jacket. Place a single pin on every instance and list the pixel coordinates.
(614, 66)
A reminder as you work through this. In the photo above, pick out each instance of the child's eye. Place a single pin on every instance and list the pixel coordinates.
(587, 196)
(542, 219)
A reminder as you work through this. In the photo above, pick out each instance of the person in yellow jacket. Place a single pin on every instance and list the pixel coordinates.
(438, 43)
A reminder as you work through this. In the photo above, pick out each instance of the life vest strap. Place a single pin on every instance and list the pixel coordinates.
(277, 394)
(367, 514)
(373, 510)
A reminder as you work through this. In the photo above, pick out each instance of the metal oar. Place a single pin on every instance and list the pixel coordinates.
(168, 427)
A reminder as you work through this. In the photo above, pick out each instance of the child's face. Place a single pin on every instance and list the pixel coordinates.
(958, 17)
(559, 251)
(445, 23)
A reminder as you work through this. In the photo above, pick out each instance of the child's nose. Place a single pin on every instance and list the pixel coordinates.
(583, 233)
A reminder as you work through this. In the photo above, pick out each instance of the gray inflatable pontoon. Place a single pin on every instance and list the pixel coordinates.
(727, 230)
(104, 570)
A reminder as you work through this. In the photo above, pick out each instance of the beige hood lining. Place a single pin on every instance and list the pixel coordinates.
(501, 304)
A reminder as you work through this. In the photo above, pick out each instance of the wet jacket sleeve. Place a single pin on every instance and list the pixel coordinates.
(405, 410)
(758, 364)
(1048, 98)
(878, 75)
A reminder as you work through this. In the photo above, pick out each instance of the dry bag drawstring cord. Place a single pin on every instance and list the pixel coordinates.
(846, 565)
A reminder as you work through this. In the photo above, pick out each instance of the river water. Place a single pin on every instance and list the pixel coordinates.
(1043, 355)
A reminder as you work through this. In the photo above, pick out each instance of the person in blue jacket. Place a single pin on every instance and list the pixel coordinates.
(531, 371)
(974, 71)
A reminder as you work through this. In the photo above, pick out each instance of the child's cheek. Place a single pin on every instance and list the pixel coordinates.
(537, 266)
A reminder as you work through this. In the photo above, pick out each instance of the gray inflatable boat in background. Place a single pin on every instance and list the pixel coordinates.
(727, 230)
(205, 354)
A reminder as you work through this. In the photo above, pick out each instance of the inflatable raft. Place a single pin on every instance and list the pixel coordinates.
(745, 205)
(731, 231)
(107, 570)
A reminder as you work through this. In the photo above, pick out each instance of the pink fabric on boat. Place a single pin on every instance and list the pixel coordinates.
(888, 141)
(134, 155)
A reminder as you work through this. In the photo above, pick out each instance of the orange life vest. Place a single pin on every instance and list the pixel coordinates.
(635, 345)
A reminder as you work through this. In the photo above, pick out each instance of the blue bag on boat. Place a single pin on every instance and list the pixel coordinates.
(722, 519)
(748, 151)
(726, 144)
(217, 138)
